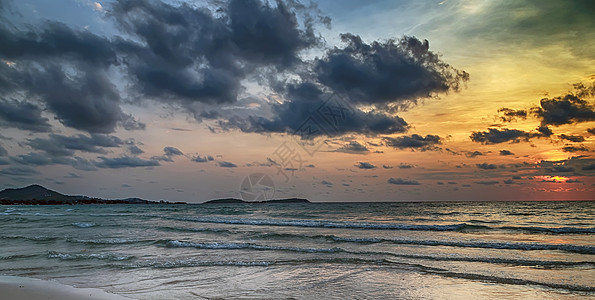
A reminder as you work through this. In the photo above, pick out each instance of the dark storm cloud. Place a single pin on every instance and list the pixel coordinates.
(414, 141)
(572, 138)
(486, 166)
(18, 171)
(365, 165)
(22, 115)
(3, 151)
(401, 181)
(497, 136)
(188, 55)
(385, 72)
(506, 152)
(309, 109)
(192, 54)
(591, 130)
(510, 115)
(227, 164)
(125, 162)
(353, 147)
(66, 70)
(590, 167)
(60, 145)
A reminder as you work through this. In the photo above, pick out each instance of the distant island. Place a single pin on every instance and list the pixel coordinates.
(272, 201)
(38, 195)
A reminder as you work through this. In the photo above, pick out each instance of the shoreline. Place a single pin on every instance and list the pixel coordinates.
(26, 288)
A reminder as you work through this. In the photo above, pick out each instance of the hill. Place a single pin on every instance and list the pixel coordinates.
(38, 195)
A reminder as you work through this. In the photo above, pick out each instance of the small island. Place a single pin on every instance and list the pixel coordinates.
(272, 201)
(38, 195)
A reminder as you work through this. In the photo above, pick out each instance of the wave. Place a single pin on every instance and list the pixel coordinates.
(29, 238)
(84, 225)
(461, 227)
(233, 245)
(515, 281)
(557, 230)
(330, 224)
(470, 244)
(111, 241)
(85, 256)
(183, 229)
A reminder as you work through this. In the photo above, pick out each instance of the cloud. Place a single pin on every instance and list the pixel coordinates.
(202, 159)
(168, 153)
(386, 72)
(572, 138)
(327, 183)
(387, 167)
(568, 109)
(486, 166)
(365, 165)
(560, 169)
(226, 164)
(591, 130)
(172, 151)
(133, 149)
(405, 166)
(125, 162)
(3, 151)
(353, 147)
(497, 136)
(73, 175)
(510, 115)
(473, 154)
(505, 153)
(194, 55)
(545, 131)
(590, 167)
(401, 181)
(414, 141)
(18, 171)
(22, 115)
(487, 182)
(33, 158)
(309, 112)
(61, 145)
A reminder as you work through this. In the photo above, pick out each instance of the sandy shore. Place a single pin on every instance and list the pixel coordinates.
(22, 288)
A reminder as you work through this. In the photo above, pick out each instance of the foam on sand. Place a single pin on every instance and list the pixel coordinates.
(22, 288)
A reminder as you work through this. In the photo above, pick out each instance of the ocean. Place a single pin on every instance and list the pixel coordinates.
(437, 250)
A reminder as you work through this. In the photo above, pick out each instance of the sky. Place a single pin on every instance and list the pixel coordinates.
(326, 100)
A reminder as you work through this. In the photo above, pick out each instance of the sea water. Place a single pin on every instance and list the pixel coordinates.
(438, 250)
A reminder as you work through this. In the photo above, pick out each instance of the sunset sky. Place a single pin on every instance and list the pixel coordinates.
(333, 100)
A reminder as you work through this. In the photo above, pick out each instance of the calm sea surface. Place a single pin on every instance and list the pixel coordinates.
(462, 250)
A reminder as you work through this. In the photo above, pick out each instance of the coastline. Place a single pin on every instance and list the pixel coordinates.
(25, 288)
